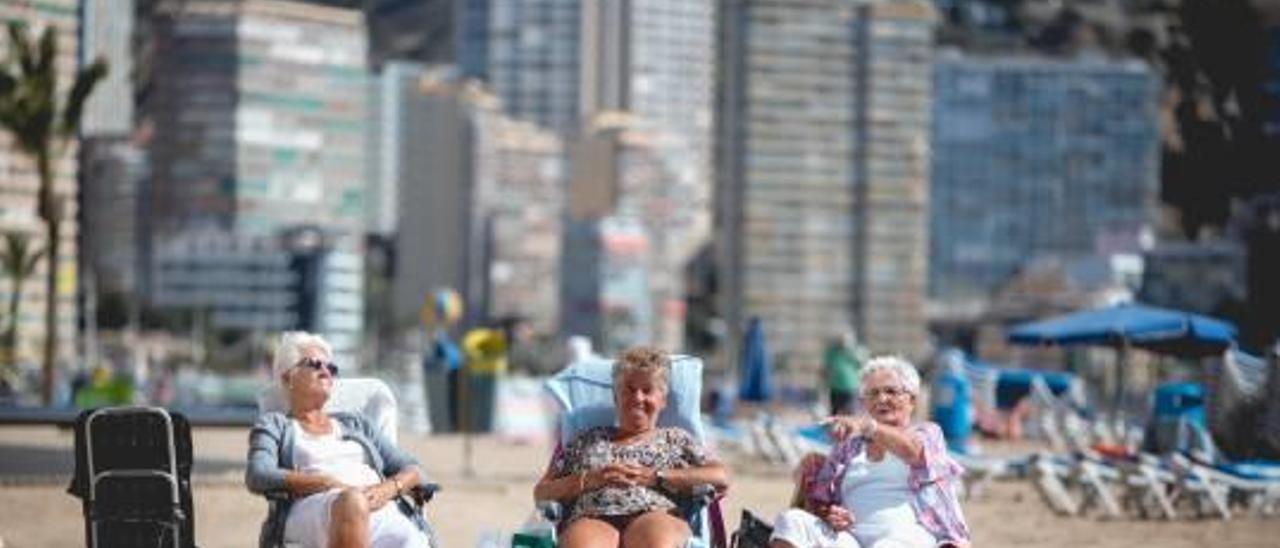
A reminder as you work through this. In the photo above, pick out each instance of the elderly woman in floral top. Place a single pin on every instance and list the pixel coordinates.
(887, 482)
(619, 481)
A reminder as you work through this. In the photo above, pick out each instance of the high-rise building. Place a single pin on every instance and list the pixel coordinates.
(113, 169)
(107, 30)
(291, 280)
(390, 136)
(480, 197)
(1035, 157)
(527, 52)
(823, 172)
(419, 31)
(19, 184)
(259, 110)
(629, 222)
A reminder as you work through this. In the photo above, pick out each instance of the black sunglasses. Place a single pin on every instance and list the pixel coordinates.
(318, 364)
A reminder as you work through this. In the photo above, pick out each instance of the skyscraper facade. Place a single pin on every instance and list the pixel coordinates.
(823, 172)
(528, 52)
(480, 198)
(1036, 157)
(107, 31)
(260, 110)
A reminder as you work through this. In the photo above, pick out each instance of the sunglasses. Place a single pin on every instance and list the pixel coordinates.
(318, 364)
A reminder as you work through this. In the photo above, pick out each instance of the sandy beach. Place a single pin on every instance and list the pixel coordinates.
(35, 511)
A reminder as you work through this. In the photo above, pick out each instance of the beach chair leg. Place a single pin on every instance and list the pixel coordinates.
(1213, 495)
(1050, 486)
(1096, 489)
(1152, 487)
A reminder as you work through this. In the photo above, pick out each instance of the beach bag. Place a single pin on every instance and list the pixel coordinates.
(752, 532)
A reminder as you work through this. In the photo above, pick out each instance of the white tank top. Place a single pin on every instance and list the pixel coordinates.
(879, 496)
(330, 454)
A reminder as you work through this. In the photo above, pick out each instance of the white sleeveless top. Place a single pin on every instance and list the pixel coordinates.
(329, 454)
(879, 496)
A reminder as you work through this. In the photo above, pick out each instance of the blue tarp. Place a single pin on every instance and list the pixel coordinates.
(1160, 330)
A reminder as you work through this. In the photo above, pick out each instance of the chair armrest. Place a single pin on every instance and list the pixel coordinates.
(279, 494)
(423, 493)
(552, 510)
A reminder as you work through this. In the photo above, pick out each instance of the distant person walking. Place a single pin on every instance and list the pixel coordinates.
(843, 364)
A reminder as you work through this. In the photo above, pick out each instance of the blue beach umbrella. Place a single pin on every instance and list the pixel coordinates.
(1125, 326)
(1171, 332)
(755, 384)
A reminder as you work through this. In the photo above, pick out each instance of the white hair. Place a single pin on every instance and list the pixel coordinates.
(900, 367)
(289, 352)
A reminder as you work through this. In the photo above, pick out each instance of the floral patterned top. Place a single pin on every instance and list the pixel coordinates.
(592, 449)
(933, 483)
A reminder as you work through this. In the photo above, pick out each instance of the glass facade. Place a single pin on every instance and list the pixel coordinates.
(823, 171)
(260, 114)
(531, 58)
(1036, 157)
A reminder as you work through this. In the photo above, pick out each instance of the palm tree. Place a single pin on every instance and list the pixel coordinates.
(42, 128)
(18, 261)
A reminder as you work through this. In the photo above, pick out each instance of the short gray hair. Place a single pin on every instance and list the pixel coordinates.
(289, 351)
(900, 367)
(643, 358)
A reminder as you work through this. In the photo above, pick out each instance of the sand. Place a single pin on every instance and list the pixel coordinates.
(36, 512)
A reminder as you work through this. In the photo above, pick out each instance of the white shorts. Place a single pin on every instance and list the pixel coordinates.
(308, 524)
(804, 530)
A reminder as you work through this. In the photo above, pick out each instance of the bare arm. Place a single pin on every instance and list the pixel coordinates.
(900, 442)
(569, 487)
(896, 440)
(682, 480)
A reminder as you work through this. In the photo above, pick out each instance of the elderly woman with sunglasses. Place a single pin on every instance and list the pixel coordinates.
(339, 481)
(887, 482)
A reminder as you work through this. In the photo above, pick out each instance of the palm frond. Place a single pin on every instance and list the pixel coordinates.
(20, 41)
(33, 260)
(48, 54)
(86, 79)
(7, 84)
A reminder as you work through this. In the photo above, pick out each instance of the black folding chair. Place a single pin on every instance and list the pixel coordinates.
(133, 474)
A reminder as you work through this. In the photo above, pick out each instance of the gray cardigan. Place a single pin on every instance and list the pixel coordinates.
(271, 456)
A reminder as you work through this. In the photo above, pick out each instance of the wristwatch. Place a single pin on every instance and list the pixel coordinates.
(660, 480)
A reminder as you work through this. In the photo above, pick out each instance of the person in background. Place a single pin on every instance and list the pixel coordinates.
(843, 362)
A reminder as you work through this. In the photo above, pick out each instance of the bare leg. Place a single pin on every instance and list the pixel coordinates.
(656, 529)
(589, 533)
(349, 520)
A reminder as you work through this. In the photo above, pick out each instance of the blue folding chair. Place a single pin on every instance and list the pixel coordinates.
(584, 391)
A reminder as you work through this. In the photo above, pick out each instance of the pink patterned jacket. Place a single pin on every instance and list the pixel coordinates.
(933, 482)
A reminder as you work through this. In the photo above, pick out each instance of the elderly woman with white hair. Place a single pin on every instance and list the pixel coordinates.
(338, 480)
(888, 482)
(621, 482)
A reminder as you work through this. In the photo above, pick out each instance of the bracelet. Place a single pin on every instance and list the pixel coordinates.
(582, 482)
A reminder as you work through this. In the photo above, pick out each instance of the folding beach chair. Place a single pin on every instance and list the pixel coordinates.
(133, 474)
(584, 391)
(1215, 484)
(372, 399)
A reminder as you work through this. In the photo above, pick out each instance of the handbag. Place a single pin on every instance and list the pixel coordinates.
(752, 532)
